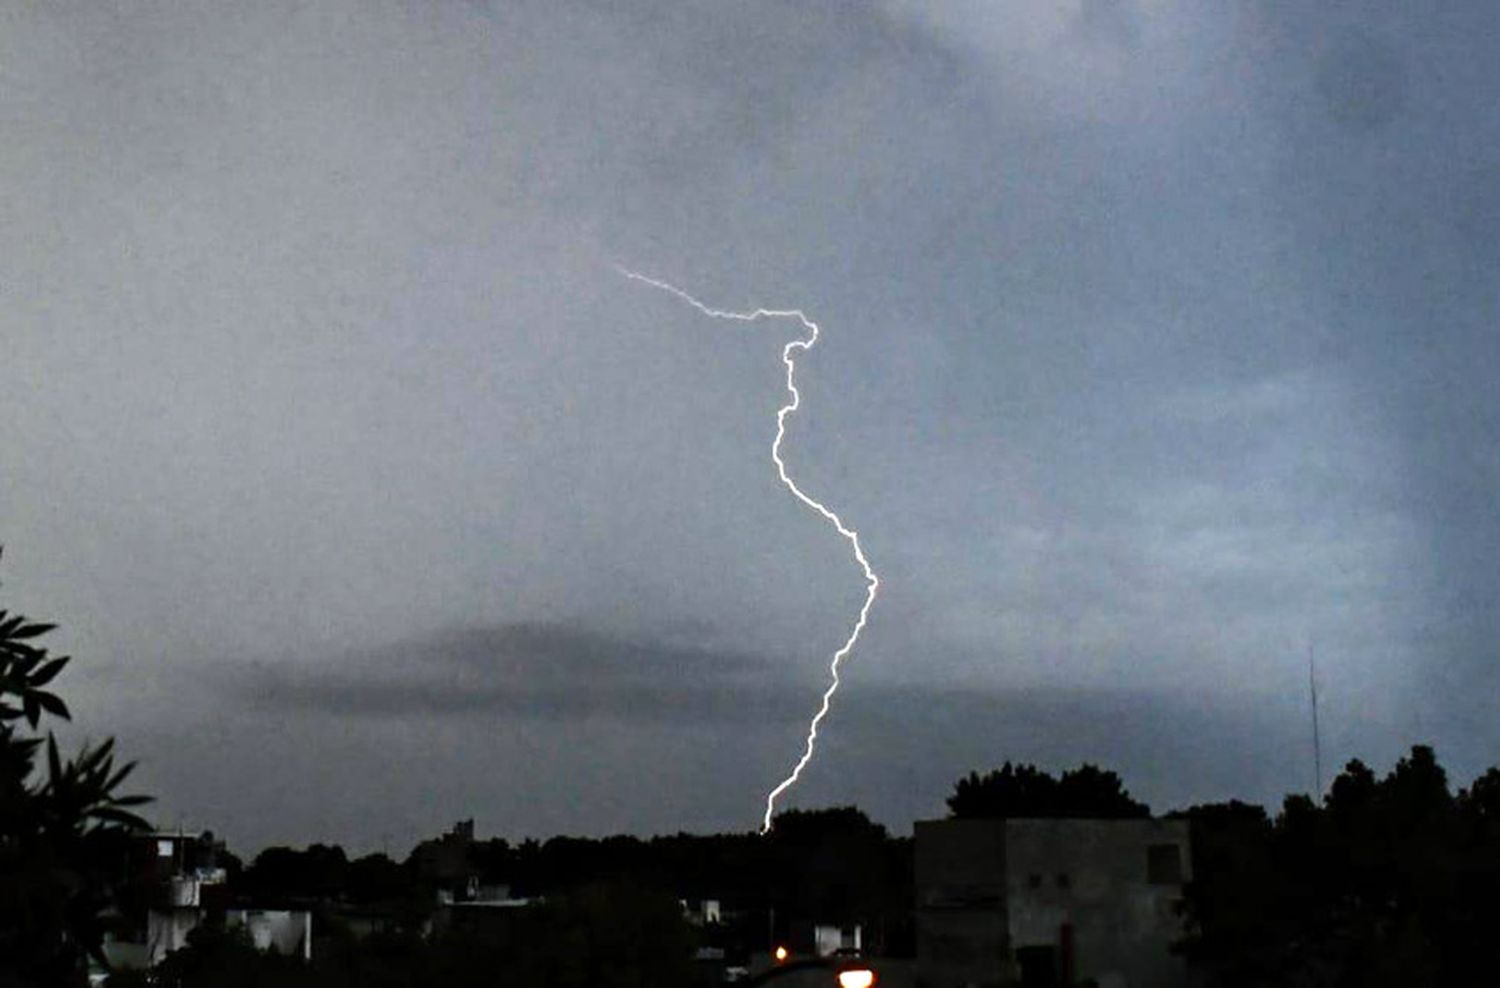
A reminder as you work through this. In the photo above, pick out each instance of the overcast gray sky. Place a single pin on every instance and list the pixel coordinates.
(1159, 342)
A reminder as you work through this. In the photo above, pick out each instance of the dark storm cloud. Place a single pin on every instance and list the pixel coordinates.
(1391, 142)
(1159, 343)
(1363, 82)
(547, 671)
(1108, 20)
(897, 749)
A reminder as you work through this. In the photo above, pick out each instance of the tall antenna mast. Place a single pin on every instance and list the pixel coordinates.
(1312, 689)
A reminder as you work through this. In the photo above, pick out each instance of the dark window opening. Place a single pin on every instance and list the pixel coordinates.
(1038, 966)
(1034, 881)
(1164, 864)
(1063, 881)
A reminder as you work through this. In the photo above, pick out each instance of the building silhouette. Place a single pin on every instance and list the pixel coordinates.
(1050, 902)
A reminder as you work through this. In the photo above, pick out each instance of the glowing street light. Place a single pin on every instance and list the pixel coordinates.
(858, 977)
(781, 955)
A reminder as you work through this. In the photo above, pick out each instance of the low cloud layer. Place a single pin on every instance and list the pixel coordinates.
(542, 671)
(503, 718)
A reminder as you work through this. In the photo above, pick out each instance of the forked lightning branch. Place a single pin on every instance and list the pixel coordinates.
(794, 402)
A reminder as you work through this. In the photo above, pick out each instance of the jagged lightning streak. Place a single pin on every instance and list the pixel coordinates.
(872, 582)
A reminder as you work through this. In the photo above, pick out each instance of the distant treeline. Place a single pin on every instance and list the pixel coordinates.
(1388, 880)
(599, 936)
(832, 865)
(604, 912)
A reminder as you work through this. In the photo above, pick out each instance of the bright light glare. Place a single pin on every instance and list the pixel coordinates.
(861, 978)
(780, 954)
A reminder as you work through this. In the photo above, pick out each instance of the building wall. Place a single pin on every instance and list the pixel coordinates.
(286, 931)
(962, 948)
(829, 939)
(167, 930)
(997, 899)
(446, 859)
(1094, 878)
(962, 929)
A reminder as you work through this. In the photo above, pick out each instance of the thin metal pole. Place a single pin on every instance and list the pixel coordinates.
(1312, 689)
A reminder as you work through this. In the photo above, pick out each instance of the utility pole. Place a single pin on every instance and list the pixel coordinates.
(1312, 690)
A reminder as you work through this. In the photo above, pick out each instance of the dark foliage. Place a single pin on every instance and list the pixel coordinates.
(596, 936)
(1389, 882)
(832, 865)
(62, 831)
(1017, 791)
(280, 875)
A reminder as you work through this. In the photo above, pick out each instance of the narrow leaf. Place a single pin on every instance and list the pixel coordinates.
(119, 776)
(124, 817)
(136, 800)
(50, 703)
(48, 672)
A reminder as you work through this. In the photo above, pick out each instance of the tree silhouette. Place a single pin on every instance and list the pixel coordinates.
(1389, 882)
(1017, 791)
(61, 835)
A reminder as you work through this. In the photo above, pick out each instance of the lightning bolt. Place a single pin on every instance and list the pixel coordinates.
(872, 582)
